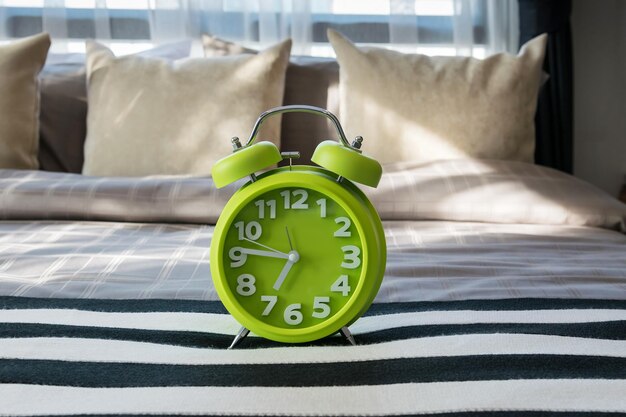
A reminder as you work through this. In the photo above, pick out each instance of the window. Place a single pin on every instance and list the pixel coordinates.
(436, 27)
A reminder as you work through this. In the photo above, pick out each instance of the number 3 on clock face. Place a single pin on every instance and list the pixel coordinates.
(293, 257)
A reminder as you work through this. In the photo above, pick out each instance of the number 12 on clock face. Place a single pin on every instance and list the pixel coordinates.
(293, 257)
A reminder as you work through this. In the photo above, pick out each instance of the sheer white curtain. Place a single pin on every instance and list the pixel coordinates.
(450, 27)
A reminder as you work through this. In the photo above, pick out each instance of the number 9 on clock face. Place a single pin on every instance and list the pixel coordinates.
(293, 257)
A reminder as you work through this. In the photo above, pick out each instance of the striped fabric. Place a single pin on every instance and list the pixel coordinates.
(473, 357)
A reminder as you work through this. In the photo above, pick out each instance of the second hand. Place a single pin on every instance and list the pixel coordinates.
(288, 238)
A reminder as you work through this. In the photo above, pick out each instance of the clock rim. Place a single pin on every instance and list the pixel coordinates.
(361, 212)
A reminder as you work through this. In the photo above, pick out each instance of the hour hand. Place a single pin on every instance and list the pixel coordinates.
(293, 257)
(257, 252)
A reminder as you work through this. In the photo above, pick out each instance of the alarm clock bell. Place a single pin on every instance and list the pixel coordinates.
(342, 158)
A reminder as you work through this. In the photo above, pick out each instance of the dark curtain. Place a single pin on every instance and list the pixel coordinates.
(554, 118)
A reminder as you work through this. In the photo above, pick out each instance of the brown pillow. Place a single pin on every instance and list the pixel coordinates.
(20, 62)
(311, 81)
(63, 119)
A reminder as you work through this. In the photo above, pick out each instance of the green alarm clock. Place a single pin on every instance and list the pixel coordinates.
(298, 252)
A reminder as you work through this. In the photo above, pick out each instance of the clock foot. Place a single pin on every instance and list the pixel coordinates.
(345, 332)
(243, 332)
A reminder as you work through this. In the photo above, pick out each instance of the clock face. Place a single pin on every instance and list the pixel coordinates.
(292, 257)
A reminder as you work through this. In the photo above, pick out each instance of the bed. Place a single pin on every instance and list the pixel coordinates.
(504, 293)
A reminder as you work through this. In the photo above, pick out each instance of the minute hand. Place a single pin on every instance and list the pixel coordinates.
(265, 253)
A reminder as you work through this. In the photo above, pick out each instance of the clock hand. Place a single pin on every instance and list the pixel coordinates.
(292, 259)
(288, 238)
(267, 254)
(264, 246)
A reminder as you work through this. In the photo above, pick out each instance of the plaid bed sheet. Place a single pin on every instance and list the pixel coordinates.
(427, 261)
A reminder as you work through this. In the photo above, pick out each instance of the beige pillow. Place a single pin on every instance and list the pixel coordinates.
(411, 107)
(20, 63)
(312, 81)
(150, 116)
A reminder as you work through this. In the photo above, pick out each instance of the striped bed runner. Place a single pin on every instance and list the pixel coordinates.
(168, 357)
